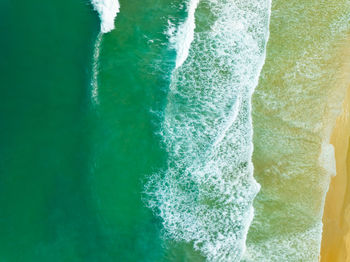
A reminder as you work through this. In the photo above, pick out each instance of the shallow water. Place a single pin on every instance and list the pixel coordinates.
(294, 108)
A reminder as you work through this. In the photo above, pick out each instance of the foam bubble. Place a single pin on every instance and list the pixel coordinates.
(205, 196)
(107, 10)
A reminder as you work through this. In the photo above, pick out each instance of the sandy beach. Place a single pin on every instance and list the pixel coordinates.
(336, 231)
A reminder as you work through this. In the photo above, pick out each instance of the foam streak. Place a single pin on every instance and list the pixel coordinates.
(94, 80)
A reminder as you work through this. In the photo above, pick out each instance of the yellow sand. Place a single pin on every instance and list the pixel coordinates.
(336, 231)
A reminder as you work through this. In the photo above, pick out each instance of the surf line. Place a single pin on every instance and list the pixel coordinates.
(107, 10)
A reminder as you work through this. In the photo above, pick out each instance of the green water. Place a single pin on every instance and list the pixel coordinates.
(46, 213)
(133, 80)
(72, 172)
(73, 168)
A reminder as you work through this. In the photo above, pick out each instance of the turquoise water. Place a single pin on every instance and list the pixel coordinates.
(88, 122)
(72, 171)
(83, 121)
(132, 84)
(135, 143)
(173, 104)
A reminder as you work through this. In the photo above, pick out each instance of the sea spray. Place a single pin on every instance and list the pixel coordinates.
(108, 10)
(205, 196)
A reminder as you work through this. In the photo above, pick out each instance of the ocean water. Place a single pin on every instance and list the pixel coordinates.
(152, 72)
(45, 126)
(167, 130)
(72, 169)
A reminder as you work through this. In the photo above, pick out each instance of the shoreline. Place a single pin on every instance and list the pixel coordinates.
(335, 244)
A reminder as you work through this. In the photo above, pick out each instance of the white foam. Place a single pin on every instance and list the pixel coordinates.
(182, 38)
(108, 10)
(205, 196)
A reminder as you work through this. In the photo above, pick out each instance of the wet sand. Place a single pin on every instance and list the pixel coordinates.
(336, 231)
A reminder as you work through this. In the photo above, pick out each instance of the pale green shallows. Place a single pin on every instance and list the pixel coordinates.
(294, 108)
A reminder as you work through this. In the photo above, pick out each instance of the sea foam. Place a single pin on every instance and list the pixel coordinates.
(108, 10)
(182, 37)
(205, 196)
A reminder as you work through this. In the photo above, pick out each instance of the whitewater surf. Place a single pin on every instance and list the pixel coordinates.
(205, 196)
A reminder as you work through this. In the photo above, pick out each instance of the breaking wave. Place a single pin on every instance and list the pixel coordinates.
(205, 196)
(108, 10)
(182, 38)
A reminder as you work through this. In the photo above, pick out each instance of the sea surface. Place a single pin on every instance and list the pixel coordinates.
(129, 131)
